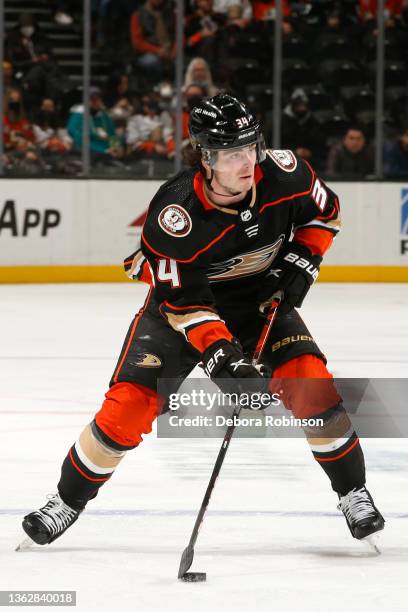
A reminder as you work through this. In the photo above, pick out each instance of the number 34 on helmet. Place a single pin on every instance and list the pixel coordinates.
(224, 123)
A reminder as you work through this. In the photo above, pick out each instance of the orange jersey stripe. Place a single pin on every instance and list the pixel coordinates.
(202, 336)
(208, 246)
(116, 374)
(317, 239)
(199, 306)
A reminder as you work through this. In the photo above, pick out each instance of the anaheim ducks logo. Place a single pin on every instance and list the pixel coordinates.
(147, 360)
(246, 264)
(175, 220)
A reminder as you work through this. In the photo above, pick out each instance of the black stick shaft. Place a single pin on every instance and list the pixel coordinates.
(187, 557)
(217, 468)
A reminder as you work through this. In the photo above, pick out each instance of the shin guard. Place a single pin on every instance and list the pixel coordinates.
(127, 412)
(309, 391)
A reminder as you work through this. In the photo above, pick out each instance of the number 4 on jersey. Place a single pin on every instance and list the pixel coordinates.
(167, 271)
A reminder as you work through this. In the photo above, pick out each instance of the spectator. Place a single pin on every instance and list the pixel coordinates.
(367, 9)
(199, 73)
(44, 80)
(65, 9)
(166, 95)
(8, 77)
(300, 131)
(265, 10)
(238, 12)
(146, 132)
(204, 33)
(104, 143)
(62, 16)
(18, 132)
(48, 135)
(111, 19)
(116, 89)
(352, 157)
(24, 163)
(29, 51)
(192, 95)
(235, 19)
(396, 157)
(21, 155)
(121, 111)
(325, 13)
(152, 36)
(25, 43)
(336, 23)
(118, 97)
(393, 18)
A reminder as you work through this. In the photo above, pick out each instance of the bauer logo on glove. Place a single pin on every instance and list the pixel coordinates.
(296, 271)
(303, 263)
(225, 363)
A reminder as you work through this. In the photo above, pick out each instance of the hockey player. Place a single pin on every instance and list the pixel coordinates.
(219, 240)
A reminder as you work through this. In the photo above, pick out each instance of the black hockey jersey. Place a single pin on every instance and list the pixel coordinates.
(206, 261)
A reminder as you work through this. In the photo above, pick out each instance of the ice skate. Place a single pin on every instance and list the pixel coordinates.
(45, 525)
(363, 518)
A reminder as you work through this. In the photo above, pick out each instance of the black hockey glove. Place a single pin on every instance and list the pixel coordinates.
(296, 271)
(225, 363)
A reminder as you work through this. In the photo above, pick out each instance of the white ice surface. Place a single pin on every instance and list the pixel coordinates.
(272, 540)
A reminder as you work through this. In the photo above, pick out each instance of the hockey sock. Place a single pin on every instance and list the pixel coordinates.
(88, 465)
(337, 449)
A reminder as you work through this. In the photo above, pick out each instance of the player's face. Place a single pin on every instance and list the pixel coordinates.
(234, 168)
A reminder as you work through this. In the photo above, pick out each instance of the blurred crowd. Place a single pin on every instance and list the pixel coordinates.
(328, 82)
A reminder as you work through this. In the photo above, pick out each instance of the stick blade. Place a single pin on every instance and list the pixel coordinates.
(194, 577)
(186, 560)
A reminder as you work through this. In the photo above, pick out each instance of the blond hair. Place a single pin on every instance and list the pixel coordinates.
(212, 90)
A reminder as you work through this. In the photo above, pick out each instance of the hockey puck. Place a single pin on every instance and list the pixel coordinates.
(194, 577)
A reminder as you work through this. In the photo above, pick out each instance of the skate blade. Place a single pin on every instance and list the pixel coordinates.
(372, 542)
(25, 545)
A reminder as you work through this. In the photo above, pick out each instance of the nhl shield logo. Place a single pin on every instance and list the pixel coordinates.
(246, 215)
(175, 220)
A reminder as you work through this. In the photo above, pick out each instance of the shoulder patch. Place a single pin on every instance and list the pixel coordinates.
(284, 158)
(175, 221)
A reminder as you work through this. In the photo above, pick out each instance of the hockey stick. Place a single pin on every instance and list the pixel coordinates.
(188, 553)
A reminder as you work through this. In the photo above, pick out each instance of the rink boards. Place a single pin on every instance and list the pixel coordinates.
(81, 230)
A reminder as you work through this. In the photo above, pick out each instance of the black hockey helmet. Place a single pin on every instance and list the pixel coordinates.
(223, 122)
